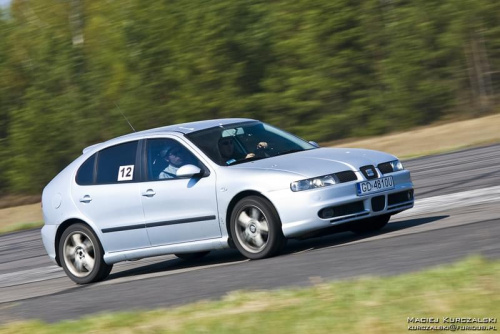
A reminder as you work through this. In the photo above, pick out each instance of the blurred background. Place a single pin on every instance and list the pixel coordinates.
(324, 69)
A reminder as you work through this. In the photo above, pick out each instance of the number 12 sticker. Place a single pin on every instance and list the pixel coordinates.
(126, 173)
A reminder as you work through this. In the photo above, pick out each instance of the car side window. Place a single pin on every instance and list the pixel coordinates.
(85, 174)
(165, 156)
(116, 164)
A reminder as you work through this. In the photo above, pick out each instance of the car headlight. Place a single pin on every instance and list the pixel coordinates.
(396, 165)
(316, 182)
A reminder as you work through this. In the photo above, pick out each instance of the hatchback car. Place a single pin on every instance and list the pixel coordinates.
(191, 188)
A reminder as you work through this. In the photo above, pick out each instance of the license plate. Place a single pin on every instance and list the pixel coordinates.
(374, 186)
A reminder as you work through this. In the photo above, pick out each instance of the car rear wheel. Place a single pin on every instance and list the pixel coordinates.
(370, 224)
(81, 255)
(192, 256)
(256, 228)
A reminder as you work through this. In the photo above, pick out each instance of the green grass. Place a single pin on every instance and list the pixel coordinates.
(19, 227)
(470, 288)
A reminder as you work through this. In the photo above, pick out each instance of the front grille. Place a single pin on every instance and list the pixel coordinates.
(401, 197)
(378, 203)
(341, 210)
(385, 168)
(346, 176)
(369, 172)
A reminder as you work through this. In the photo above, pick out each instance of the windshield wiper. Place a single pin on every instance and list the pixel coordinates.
(246, 160)
(291, 151)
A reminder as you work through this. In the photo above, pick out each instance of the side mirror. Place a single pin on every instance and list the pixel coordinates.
(313, 143)
(188, 171)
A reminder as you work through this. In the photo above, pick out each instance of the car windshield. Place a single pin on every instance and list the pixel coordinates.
(243, 142)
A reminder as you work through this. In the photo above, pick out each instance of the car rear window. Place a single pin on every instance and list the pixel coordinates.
(116, 164)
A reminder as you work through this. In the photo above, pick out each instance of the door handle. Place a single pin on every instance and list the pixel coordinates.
(86, 199)
(149, 193)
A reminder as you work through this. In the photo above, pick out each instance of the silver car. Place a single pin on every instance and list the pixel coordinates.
(191, 188)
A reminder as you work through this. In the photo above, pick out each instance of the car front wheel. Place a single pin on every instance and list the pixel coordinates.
(81, 255)
(256, 228)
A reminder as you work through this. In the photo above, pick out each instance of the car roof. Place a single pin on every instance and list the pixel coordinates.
(183, 128)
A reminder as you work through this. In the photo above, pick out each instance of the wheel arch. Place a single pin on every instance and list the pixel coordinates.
(63, 227)
(232, 204)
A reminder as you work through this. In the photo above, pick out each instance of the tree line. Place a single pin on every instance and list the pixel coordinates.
(325, 70)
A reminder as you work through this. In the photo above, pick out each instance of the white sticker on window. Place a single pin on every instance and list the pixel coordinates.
(126, 173)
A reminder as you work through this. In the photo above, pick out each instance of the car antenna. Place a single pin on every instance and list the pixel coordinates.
(120, 110)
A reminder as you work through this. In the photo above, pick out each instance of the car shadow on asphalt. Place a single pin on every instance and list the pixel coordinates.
(228, 256)
(217, 257)
(343, 236)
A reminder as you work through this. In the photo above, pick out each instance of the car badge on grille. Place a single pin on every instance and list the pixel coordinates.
(370, 172)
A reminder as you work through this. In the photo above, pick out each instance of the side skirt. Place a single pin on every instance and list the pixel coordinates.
(186, 247)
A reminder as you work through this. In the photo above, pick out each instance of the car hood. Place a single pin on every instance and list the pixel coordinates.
(319, 161)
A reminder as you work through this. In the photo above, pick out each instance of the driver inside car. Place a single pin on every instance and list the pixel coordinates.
(230, 155)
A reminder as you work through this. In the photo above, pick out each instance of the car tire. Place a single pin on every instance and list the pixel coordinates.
(256, 228)
(370, 224)
(192, 256)
(81, 255)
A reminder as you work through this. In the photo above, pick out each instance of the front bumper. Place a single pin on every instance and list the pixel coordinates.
(300, 211)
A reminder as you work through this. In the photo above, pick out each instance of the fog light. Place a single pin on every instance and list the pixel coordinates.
(327, 213)
(410, 195)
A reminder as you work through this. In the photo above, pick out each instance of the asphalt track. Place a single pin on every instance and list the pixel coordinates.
(457, 214)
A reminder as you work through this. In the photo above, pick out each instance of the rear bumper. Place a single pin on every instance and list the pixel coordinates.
(49, 240)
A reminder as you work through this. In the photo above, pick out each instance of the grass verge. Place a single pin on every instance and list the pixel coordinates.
(433, 139)
(20, 218)
(19, 227)
(470, 288)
